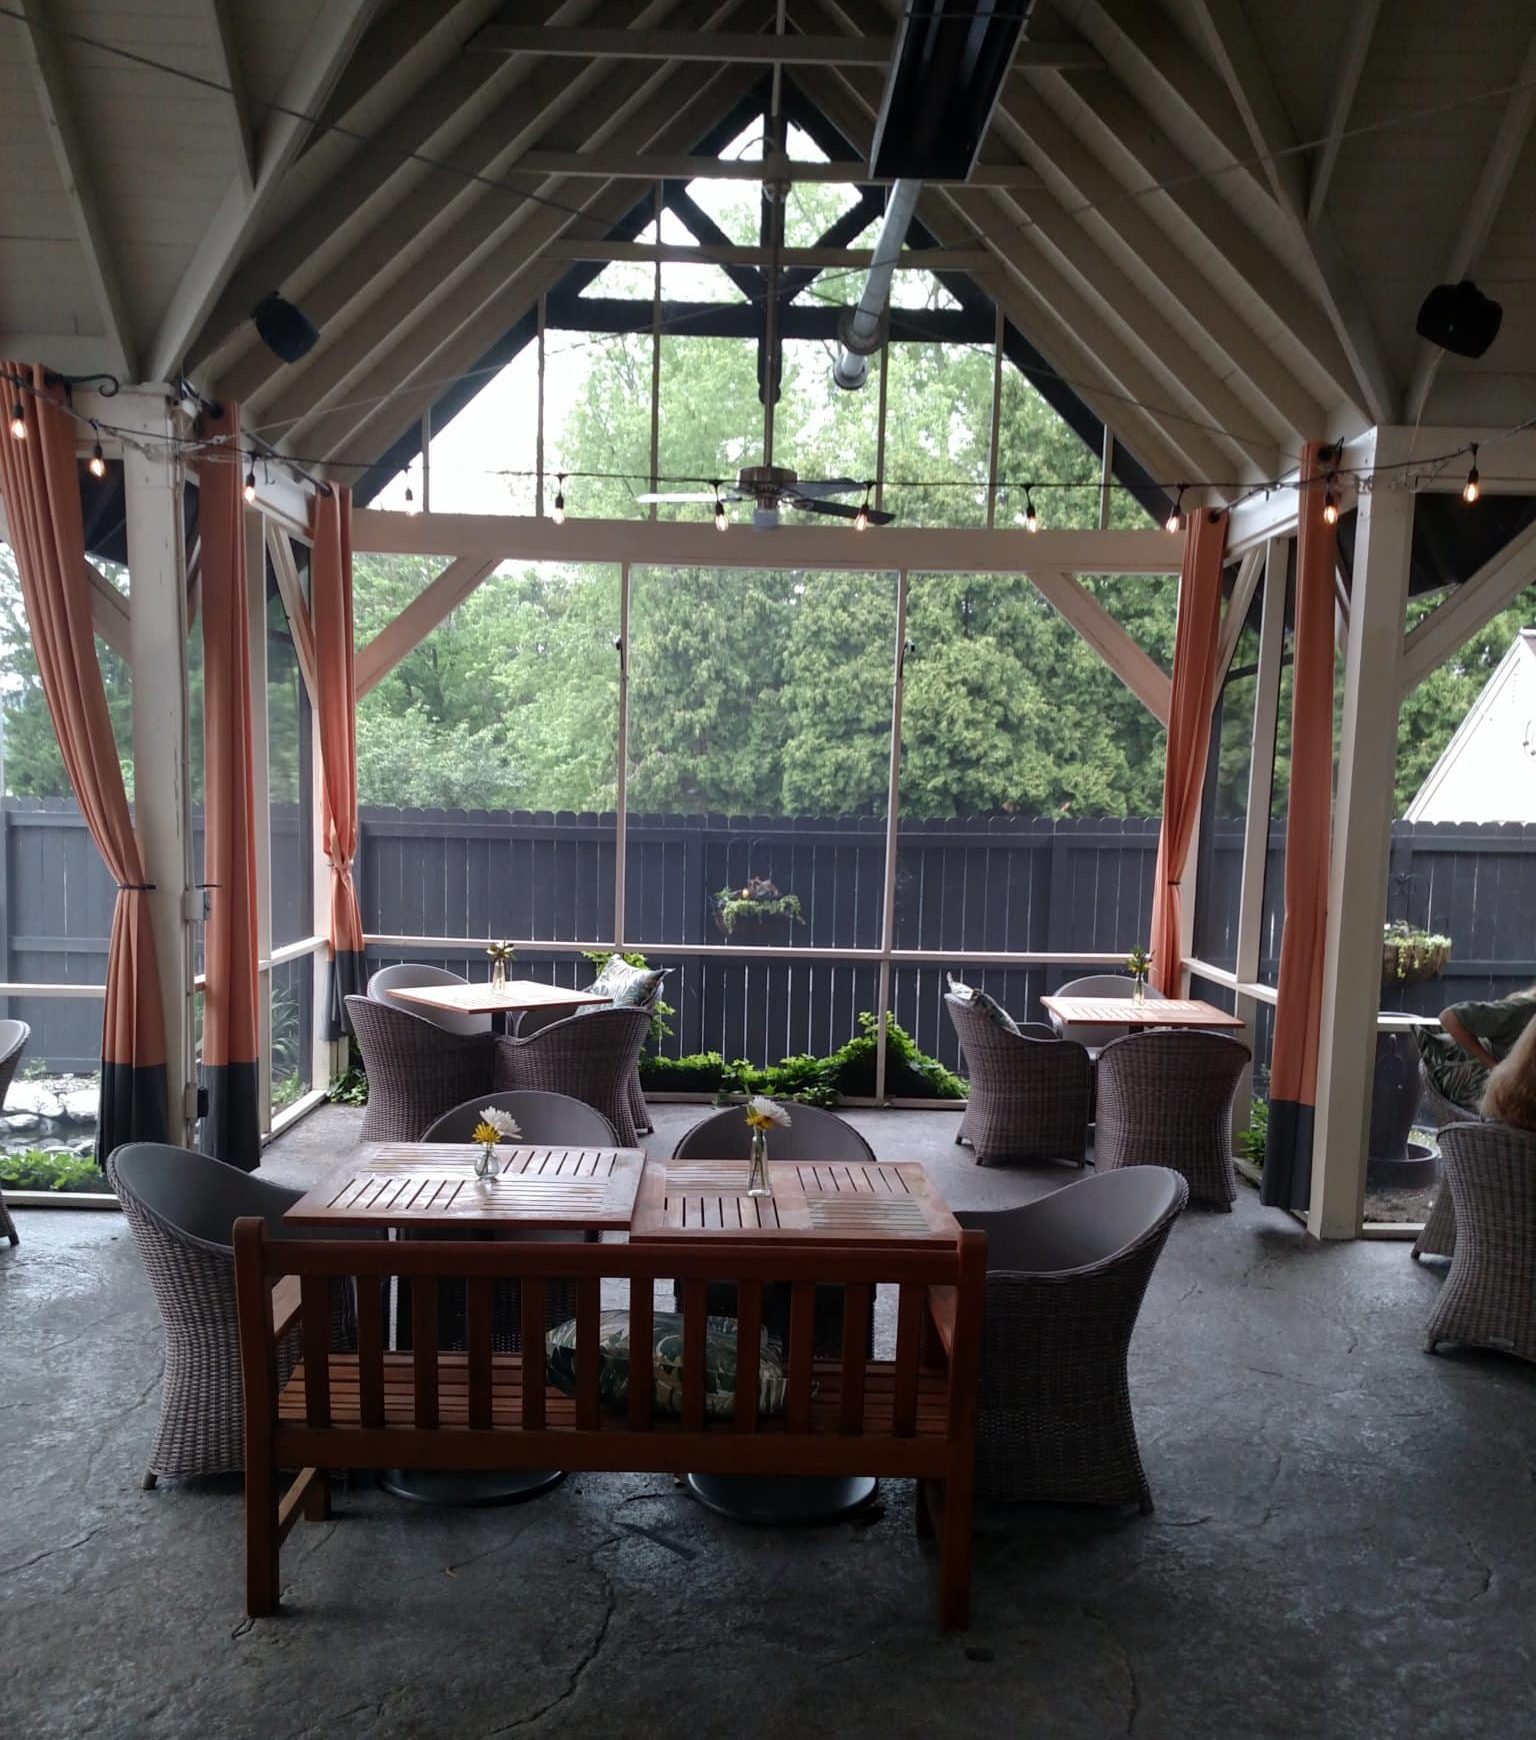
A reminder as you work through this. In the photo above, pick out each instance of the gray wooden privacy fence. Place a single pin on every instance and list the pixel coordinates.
(988, 884)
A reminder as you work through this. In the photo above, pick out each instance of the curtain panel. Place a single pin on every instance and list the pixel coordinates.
(1189, 733)
(231, 1128)
(331, 620)
(39, 480)
(1298, 1010)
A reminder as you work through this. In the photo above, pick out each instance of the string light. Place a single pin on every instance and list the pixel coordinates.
(1174, 524)
(1473, 487)
(722, 520)
(861, 518)
(1031, 518)
(250, 482)
(558, 516)
(98, 462)
(18, 422)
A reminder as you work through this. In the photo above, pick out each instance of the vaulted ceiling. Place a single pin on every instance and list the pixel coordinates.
(1215, 221)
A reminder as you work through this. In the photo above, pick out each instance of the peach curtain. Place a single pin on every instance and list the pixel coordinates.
(1189, 733)
(331, 619)
(39, 480)
(1298, 1010)
(231, 1127)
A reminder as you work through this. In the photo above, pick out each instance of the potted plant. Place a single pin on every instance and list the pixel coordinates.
(752, 908)
(1409, 956)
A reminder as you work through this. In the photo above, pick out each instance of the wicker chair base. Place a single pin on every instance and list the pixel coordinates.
(7, 1225)
(1489, 1296)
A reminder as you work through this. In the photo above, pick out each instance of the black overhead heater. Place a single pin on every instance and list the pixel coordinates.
(948, 65)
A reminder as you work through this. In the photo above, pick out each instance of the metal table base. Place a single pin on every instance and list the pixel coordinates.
(783, 1498)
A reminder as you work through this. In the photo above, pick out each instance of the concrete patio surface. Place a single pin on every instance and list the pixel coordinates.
(1344, 1542)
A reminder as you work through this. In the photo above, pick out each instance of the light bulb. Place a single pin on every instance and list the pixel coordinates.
(861, 518)
(1330, 508)
(721, 519)
(250, 484)
(1174, 524)
(1031, 518)
(98, 462)
(1473, 487)
(558, 516)
(18, 423)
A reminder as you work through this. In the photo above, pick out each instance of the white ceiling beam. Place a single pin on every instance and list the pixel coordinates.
(109, 612)
(729, 254)
(329, 42)
(696, 543)
(1346, 81)
(404, 633)
(1471, 607)
(460, 217)
(54, 99)
(285, 571)
(226, 49)
(389, 151)
(1478, 218)
(402, 348)
(1077, 607)
(738, 48)
(684, 166)
(1251, 85)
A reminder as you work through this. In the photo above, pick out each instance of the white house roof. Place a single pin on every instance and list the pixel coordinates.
(1219, 224)
(1488, 769)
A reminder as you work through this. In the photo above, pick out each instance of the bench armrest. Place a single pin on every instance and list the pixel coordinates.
(285, 1306)
(942, 1305)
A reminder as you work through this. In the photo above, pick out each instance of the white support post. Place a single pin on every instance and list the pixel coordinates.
(157, 608)
(621, 778)
(261, 798)
(1362, 837)
(330, 1056)
(892, 830)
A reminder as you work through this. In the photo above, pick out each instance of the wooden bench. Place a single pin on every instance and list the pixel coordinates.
(913, 1416)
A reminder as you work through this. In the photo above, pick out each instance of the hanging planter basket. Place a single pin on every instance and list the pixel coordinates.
(754, 907)
(1408, 956)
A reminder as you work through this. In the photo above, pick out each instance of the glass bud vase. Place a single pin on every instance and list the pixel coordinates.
(498, 974)
(1139, 990)
(485, 1161)
(757, 1177)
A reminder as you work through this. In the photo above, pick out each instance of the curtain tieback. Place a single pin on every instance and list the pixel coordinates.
(136, 887)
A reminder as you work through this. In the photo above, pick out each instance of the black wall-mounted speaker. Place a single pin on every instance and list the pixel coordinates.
(285, 330)
(1460, 318)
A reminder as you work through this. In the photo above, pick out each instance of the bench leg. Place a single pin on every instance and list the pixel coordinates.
(262, 1541)
(923, 1513)
(955, 1552)
(317, 1501)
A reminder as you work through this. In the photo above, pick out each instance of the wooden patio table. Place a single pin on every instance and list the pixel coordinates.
(1122, 1012)
(861, 1203)
(404, 1186)
(500, 1002)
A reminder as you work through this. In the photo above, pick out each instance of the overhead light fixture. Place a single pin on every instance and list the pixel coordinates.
(1174, 524)
(722, 519)
(1473, 487)
(250, 482)
(18, 422)
(286, 331)
(97, 464)
(1330, 508)
(558, 516)
(1031, 518)
(1459, 318)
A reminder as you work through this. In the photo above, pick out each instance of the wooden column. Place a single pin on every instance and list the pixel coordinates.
(157, 608)
(1362, 838)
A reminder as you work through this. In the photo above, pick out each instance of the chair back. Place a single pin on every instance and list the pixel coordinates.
(1089, 1224)
(541, 1117)
(416, 1070)
(193, 1194)
(384, 983)
(1120, 985)
(1171, 1081)
(812, 1135)
(13, 1041)
(1491, 1171)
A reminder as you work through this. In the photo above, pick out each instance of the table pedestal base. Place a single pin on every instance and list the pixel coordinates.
(783, 1498)
(468, 1486)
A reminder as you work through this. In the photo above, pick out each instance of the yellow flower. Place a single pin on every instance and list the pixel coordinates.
(487, 1134)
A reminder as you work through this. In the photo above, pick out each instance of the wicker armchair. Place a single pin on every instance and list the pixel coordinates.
(384, 984)
(1165, 1099)
(591, 1057)
(1489, 1296)
(416, 1070)
(541, 1117)
(1065, 1279)
(13, 1041)
(1103, 985)
(1029, 1095)
(180, 1206)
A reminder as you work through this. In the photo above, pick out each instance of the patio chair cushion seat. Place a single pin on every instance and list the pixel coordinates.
(667, 1363)
(983, 1004)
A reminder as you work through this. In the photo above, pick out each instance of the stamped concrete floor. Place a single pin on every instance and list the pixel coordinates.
(1344, 1545)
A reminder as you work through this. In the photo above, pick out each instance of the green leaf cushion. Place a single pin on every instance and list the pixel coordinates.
(628, 987)
(667, 1364)
(983, 1004)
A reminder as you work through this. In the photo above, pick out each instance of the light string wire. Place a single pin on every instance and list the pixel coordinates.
(322, 124)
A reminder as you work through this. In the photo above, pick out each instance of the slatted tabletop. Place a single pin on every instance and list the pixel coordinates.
(1122, 1012)
(890, 1202)
(410, 1184)
(488, 999)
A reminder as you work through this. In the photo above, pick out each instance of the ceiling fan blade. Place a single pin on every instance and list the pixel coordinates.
(842, 510)
(654, 495)
(823, 486)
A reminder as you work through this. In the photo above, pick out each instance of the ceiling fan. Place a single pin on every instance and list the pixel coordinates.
(771, 487)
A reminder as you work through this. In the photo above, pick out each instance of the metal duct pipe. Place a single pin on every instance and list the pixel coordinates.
(861, 330)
